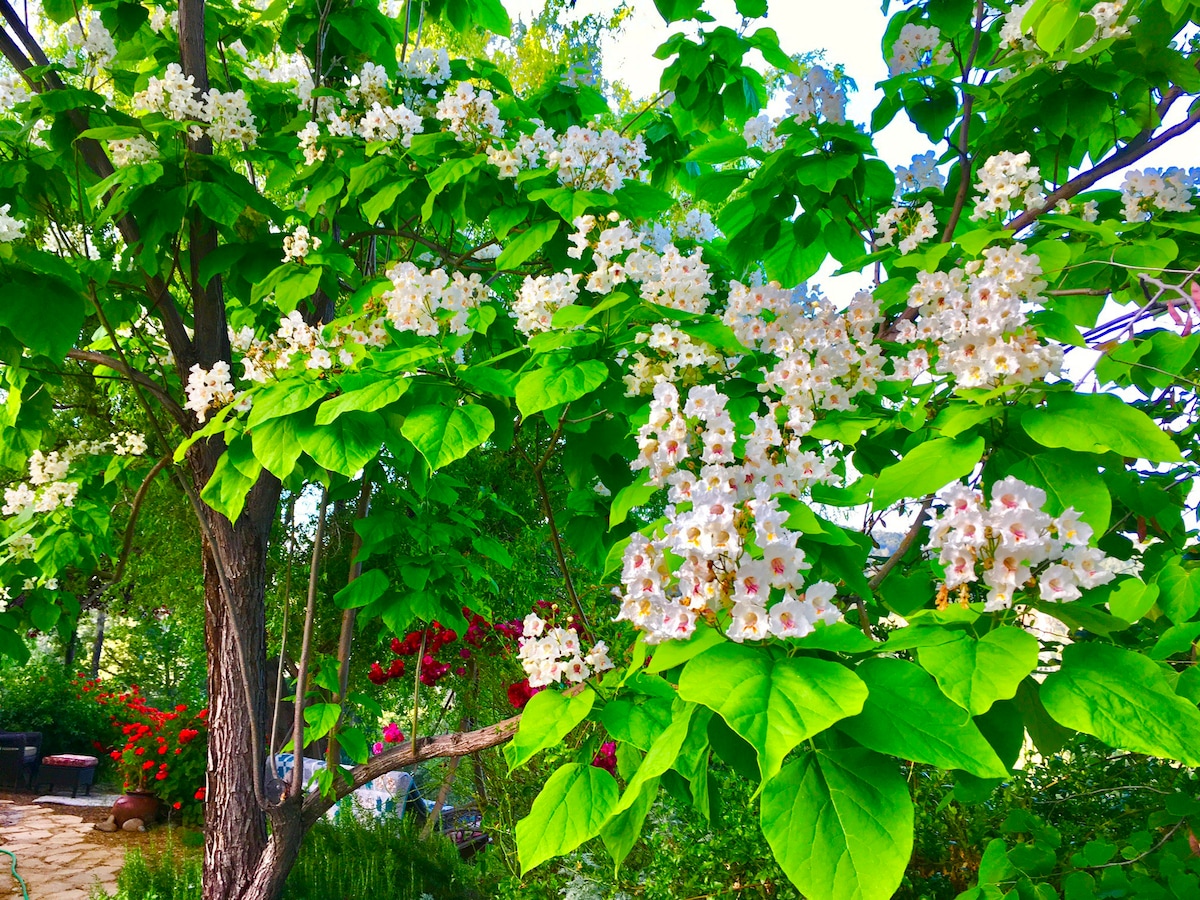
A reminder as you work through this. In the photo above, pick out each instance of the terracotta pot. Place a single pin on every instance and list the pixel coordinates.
(135, 805)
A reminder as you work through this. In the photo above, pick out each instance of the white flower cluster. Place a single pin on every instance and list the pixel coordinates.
(11, 228)
(299, 244)
(583, 157)
(208, 389)
(369, 86)
(132, 151)
(541, 296)
(92, 39)
(921, 173)
(389, 123)
(816, 93)
(1011, 544)
(972, 319)
(427, 65)
(226, 113)
(48, 489)
(914, 224)
(550, 655)
(160, 18)
(470, 114)
(1089, 210)
(672, 356)
(423, 302)
(1004, 178)
(668, 278)
(1155, 189)
(309, 135)
(12, 91)
(697, 225)
(760, 132)
(725, 545)
(826, 356)
(918, 47)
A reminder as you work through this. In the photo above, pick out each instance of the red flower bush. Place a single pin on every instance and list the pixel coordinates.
(142, 735)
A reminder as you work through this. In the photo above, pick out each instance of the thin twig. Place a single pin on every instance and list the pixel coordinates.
(314, 573)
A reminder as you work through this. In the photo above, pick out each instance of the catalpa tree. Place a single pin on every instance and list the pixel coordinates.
(316, 249)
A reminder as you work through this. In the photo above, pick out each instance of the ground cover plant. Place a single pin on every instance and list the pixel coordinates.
(522, 347)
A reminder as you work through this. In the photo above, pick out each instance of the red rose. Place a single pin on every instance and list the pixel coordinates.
(148, 764)
(200, 794)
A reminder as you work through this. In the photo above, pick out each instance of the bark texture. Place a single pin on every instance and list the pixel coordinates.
(235, 827)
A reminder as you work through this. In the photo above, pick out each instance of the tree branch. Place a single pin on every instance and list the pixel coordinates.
(178, 413)
(905, 544)
(1133, 151)
(409, 753)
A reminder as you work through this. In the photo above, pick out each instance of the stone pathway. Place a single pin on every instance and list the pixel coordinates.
(55, 854)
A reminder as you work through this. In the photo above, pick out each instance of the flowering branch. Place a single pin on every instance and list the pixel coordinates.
(1140, 146)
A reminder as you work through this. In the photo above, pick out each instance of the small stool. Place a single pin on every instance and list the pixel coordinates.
(68, 770)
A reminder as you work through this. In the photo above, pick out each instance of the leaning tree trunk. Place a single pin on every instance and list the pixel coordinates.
(235, 825)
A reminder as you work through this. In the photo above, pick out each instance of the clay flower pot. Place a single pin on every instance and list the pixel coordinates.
(135, 805)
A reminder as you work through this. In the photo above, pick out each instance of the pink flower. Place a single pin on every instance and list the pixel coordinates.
(392, 734)
(377, 747)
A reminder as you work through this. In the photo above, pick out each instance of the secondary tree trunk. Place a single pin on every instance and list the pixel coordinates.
(235, 826)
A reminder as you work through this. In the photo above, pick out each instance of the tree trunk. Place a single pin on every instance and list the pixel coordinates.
(235, 825)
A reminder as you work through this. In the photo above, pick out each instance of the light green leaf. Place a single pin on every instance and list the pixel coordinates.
(1179, 588)
(907, 716)
(548, 718)
(840, 824)
(363, 590)
(1131, 599)
(1098, 423)
(373, 396)
(446, 433)
(571, 808)
(522, 246)
(628, 498)
(544, 388)
(975, 673)
(321, 717)
(277, 446)
(1124, 699)
(670, 654)
(927, 468)
(229, 484)
(347, 444)
(773, 703)
(282, 398)
(621, 832)
(660, 757)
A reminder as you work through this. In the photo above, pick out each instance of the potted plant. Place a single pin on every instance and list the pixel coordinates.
(160, 756)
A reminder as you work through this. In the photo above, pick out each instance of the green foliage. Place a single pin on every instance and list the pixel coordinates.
(168, 874)
(353, 858)
(42, 696)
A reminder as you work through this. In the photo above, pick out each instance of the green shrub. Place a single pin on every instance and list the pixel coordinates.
(351, 859)
(42, 696)
(163, 876)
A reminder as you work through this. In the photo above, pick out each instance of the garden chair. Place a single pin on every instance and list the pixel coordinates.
(29, 746)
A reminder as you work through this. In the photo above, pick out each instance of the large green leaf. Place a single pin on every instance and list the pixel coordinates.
(1124, 699)
(975, 673)
(369, 398)
(840, 824)
(1068, 480)
(544, 388)
(347, 444)
(547, 718)
(660, 757)
(572, 806)
(926, 468)
(1098, 423)
(907, 716)
(44, 313)
(1179, 588)
(282, 398)
(773, 703)
(524, 245)
(277, 445)
(446, 433)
